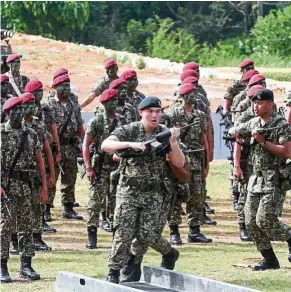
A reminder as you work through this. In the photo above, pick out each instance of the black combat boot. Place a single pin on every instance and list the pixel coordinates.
(269, 262)
(5, 277)
(235, 197)
(14, 249)
(113, 276)
(169, 259)
(106, 226)
(194, 236)
(46, 227)
(289, 247)
(47, 213)
(206, 220)
(243, 233)
(128, 267)
(39, 244)
(26, 270)
(135, 274)
(92, 237)
(69, 212)
(208, 209)
(175, 235)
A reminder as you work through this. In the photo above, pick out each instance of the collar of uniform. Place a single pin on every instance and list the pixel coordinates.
(142, 130)
(8, 127)
(269, 121)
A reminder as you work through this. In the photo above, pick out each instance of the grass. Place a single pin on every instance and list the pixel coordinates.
(213, 261)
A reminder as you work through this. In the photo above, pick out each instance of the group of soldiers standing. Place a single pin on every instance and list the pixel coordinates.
(138, 182)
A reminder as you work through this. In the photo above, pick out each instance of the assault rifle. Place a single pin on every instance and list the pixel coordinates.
(154, 145)
(227, 123)
(80, 161)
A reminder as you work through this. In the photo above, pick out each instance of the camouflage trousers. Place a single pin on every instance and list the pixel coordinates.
(37, 210)
(262, 221)
(68, 181)
(138, 218)
(280, 204)
(18, 218)
(100, 197)
(196, 200)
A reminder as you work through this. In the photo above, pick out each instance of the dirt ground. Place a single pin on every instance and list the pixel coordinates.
(41, 57)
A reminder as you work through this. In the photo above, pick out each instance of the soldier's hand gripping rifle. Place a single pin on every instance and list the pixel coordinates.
(54, 148)
(154, 145)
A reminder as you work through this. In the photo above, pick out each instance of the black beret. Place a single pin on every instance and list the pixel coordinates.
(148, 102)
(264, 94)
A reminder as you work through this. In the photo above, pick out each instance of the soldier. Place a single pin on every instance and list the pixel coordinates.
(4, 79)
(72, 95)
(196, 142)
(100, 164)
(70, 129)
(40, 128)
(237, 85)
(267, 182)
(111, 68)
(45, 114)
(134, 97)
(17, 82)
(20, 149)
(139, 197)
(288, 105)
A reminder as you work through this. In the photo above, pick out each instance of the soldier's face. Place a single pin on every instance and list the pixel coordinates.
(151, 116)
(111, 105)
(38, 94)
(112, 71)
(246, 69)
(122, 89)
(29, 108)
(14, 66)
(262, 107)
(190, 98)
(132, 83)
(16, 113)
(63, 89)
(261, 82)
(4, 88)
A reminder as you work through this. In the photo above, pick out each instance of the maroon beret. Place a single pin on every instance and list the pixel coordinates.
(26, 97)
(33, 85)
(191, 66)
(11, 102)
(256, 78)
(4, 78)
(245, 63)
(108, 94)
(60, 80)
(188, 73)
(186, 88)
(60, 72)
(128, 74)
(249, 74)
(190, 80)
(115, 83)
(110, 63)
(254, 89)
(12, 58)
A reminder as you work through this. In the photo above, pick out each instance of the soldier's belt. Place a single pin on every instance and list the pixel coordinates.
(68, 141)
(263, 172)
(142, 185)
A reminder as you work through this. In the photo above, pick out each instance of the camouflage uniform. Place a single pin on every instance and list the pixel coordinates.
(18, 191)
(69, 150)
(20, 82)
(45, 114)
(139, 199)
(264, 189)
(202, 91)
(193, 141)
(100, 195)
(102, 85)
(234, 89)
(135, 100)
(238, 98)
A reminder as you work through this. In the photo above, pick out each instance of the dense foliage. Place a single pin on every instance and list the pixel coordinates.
(213, 33)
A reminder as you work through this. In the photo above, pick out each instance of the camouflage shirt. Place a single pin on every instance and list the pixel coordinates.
(266, 164)
(99, 128)
(238, 98)
(234, 89)
(102, 85)
(20, 82)
(136, 98)
(45, 114)
(202, 91)
(193, 138)
(10, 143)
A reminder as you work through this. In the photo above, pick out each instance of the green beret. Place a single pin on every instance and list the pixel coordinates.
(150, 101)
(264, 94)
